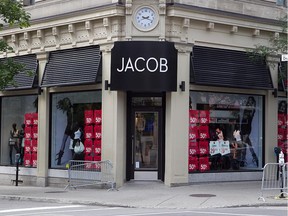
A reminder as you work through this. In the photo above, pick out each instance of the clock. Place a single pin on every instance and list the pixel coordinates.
(145, 18)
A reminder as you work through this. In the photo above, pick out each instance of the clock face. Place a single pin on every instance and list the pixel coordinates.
(145, 18)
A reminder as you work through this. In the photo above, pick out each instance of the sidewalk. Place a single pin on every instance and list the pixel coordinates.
(153, 195)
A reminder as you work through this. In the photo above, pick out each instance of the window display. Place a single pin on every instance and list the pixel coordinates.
(225, 132)
(30, 141)
(76, 127)
(15, 127)
(283, 127)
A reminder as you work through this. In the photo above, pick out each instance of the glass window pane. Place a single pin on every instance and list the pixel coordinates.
(68, 122)
(282, 127)
(229, 124)
(13, 111)
(146, 140)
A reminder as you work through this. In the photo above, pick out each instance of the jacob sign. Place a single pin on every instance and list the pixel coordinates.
(144, 66)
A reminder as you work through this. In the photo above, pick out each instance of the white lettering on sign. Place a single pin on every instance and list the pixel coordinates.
(163, 65)
(151, 64)
(156, 64)
(136, 63)
(284, 57)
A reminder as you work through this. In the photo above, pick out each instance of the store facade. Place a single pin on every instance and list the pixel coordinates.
(173, 99)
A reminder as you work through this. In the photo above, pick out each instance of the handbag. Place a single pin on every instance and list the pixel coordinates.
(79, 147)
(12, 141)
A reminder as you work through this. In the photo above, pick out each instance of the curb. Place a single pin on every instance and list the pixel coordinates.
(64, 201)
(87, 202)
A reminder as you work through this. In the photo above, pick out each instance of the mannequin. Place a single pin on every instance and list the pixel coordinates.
(282, 107)
(14, 135)
(225, 160)
(140, 122)
(239, 147)
(21, 143)
(219, 133)
(77, 136)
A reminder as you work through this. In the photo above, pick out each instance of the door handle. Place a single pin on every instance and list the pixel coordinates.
(132, 149)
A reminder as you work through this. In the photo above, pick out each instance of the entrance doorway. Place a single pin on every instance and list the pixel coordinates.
(145, 144)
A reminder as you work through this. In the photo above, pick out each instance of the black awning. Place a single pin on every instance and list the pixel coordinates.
(72, 67)
(228, 68)
(28, 78)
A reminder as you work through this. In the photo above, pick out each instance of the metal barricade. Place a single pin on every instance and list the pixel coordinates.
(85, 173)
(274, 178)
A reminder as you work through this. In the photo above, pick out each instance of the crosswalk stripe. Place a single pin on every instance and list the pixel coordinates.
(38, 208)
(58, 211)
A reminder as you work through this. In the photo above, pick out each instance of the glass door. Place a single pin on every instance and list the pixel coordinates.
(145, 141)
(145, 137)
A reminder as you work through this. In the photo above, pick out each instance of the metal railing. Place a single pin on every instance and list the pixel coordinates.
(274, 178)
(85, 173)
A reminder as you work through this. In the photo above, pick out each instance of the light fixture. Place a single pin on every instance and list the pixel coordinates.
(106, 85)
(275, 92)
(182, 86)
(40, 90)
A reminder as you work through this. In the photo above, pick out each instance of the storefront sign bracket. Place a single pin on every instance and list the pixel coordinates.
(107, 84)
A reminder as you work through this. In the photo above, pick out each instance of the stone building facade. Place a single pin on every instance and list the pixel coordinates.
(160, 75)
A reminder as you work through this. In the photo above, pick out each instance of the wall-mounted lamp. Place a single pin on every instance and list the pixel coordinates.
(182, 86)
(275, 92)
(40, 90)
(106, 85)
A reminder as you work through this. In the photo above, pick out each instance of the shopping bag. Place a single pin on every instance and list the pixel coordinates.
(12, 141)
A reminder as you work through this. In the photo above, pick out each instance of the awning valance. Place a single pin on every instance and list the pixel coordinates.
(72, 67)
(228, 68)
(28, 78)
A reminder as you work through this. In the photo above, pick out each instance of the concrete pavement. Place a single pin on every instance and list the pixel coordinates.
(152, 195)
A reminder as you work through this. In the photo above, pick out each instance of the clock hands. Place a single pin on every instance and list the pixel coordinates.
(146, 18)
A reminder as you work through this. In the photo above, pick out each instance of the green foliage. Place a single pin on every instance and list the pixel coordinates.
(276, 47)
(8, 69)
(12, 13)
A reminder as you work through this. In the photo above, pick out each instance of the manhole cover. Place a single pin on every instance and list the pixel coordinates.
(55, 191)
(202, 195)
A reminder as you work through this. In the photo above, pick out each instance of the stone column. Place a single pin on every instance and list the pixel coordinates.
(43, 127)
(113, 121)
(177, 123)
(271, 113)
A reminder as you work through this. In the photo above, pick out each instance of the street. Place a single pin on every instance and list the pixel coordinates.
(28, 208)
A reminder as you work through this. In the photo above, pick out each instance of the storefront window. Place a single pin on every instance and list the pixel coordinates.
(146, 101)
(282, 76)
(19, 110)
(76, 123)
(225, 132)
(283, 127)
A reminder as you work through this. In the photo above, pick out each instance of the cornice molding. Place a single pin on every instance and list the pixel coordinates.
(107, 25)
(183, 47)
